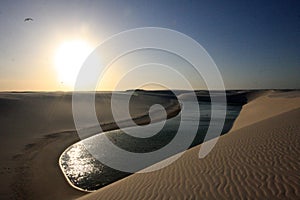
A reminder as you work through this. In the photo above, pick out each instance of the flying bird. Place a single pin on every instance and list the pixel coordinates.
(28, 19)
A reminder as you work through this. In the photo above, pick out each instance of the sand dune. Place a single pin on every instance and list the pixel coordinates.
(266, 104)
(258, 159)
(37, 127)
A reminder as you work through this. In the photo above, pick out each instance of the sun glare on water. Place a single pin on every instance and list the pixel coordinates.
(69, 58)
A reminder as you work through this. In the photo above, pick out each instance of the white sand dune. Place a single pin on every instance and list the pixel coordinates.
(258, 159)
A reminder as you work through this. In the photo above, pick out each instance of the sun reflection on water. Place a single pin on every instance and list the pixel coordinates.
(79, 164)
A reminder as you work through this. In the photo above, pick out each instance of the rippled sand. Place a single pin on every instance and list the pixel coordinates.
(258, 159)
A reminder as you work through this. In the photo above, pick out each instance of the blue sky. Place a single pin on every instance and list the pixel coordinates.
(255, 44)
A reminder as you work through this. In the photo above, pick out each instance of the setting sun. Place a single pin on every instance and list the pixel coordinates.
(69, 57)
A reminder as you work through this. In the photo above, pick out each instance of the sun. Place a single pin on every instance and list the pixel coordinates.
(69, 58)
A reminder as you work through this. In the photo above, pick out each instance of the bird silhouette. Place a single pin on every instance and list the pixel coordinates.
(28, 19)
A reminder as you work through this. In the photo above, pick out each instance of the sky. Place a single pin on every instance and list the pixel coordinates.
(255, 44)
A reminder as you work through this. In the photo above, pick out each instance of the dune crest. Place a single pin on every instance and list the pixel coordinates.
(256, 160)
(266, 105)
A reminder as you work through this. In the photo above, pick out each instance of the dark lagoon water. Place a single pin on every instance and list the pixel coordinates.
(85, 172)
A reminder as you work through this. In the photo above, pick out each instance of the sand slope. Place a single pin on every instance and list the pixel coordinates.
(258, 159)
(266, 104)
(36, 127)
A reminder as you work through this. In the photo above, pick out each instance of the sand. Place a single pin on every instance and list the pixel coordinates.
(266, 104)
(37, 127)
(257, 159)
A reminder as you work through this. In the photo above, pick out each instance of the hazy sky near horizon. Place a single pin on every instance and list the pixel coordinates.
(255, 44)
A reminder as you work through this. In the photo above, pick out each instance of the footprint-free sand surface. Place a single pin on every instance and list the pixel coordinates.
(258, 159)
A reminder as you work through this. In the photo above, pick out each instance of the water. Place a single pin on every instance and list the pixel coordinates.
(85, 172)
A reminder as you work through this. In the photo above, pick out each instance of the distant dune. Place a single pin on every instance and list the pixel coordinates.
(257, 159)
(36, 127)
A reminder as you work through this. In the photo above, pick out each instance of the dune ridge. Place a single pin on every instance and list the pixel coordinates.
(265, 104)
(257, 159)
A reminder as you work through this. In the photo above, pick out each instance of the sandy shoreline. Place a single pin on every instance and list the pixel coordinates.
(257, 160)
(39, 176)
(245, 163)
(37, 128)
